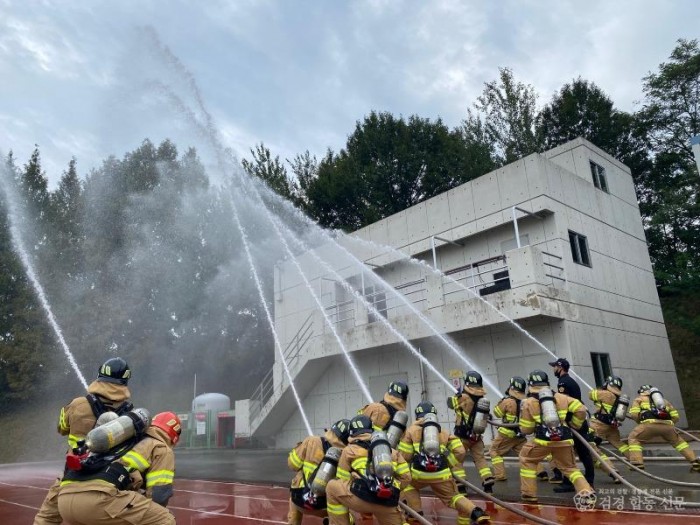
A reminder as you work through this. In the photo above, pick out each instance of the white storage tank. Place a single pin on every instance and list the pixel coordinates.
(206, 407)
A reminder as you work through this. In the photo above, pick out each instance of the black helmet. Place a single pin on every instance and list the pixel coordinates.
(517, 383)
(644, 388)
(472, 378)
(342, 430)
(398, 389)
(615, 381)
(115, 370)
(538, 378)
(360, 425)
(426, 407)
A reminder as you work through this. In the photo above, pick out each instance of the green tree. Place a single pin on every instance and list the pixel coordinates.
(670, 116)
(505, 115)
(387, 165)
(270, 170)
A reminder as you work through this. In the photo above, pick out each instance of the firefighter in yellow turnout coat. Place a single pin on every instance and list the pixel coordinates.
(545, 415)
(304, 459)
(370, 477)
(508, 410)
(109, 392)
(656, 417)
(112, 497)
(431, 452)
(464, 405)
(603, 423)
(382, 412)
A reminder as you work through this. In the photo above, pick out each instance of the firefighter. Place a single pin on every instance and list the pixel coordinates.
(465, 406)
(305, 459)
(431, 451)
(508, 410)
(111, 495)
(370, 477)
(549, 415)
(605, 424)
(656, 418)
(109, 392)
(382, 412)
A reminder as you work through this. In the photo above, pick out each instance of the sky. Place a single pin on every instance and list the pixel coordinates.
(84, 79)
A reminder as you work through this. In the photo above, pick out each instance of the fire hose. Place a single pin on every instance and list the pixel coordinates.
(617, 476)
(648, 474)
(418, 517)
(692, 436)
(503, 504)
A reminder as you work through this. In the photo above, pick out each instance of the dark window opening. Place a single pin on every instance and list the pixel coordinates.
(601, 367)
(579, 248)
(600, 179)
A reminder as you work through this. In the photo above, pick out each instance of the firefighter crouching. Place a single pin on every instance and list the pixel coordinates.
(431, 452)
(544, 413)
(656, 417)
(370, 477)
(109, 392)
(111, 495)
(508, 410)
(315, 461)
(611, 411)
(472, 410)
(381, 413)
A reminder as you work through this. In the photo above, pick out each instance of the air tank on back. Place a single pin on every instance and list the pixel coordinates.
(117, 431)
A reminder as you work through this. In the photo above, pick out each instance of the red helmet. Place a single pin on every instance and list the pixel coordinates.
(170, 423)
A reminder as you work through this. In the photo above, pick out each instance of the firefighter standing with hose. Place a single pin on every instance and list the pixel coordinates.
(548, 416)
(470, 406)
(370, 477)
(508, 410)
(656, 418)
(110, 494)
(611, 411)
(307, 492)
(109, 392)
(431, 452)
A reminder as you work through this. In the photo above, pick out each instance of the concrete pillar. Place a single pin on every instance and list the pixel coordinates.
(433, 290)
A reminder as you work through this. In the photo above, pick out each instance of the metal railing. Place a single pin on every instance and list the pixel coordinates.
(554, 268)
(292, 352)
(477, 277)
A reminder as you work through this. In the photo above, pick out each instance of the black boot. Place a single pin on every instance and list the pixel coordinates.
(566, 486)
(488, 485)
(557, 477)
(479, 516)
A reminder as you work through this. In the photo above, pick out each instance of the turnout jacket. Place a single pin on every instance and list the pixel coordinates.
(531, 417)
(604, 400)
(307, 455)
(463, 404)
(151, 462)
(450, 447)
(353, 463)
(379, 414)
(507, 410)
(76, 419)
(641, 411)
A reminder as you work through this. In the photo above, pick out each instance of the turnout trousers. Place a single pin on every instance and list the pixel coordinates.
(563, 456)
(341, 501)
(48, 513)
(446, 491)
(106, 504)
(476, 450)
(644, 432)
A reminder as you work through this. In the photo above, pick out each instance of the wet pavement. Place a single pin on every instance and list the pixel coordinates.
(246, 487)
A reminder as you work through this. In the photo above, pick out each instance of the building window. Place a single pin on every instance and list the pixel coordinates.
(600, 180)
(579, 248)
(601, 367)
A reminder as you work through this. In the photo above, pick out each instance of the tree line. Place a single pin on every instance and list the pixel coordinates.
(139, 256)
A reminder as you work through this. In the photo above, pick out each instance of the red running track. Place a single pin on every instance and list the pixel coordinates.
(198, 502)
